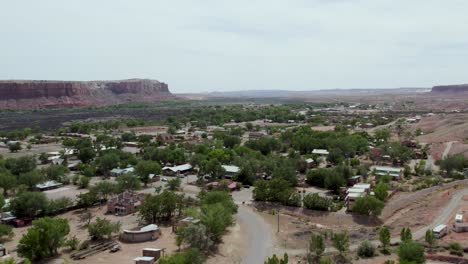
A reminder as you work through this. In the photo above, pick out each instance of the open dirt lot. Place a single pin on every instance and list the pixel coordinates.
(35, 150)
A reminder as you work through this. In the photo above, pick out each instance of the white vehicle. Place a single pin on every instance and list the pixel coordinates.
(164, 179)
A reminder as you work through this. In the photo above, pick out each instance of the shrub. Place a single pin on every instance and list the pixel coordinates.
(366, 249)
(455, 249)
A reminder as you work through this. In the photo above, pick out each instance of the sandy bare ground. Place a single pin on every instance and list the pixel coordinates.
(35, 150)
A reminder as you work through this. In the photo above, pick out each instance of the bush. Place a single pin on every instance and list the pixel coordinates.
(366, 249)
(411, 252)
(455, 249)
(316, 202)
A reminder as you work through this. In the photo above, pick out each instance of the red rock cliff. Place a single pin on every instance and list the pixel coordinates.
(450, 89)
(39, 94)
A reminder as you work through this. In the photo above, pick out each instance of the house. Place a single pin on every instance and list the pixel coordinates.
(320, 152)
(147, 233)
(49, 185)
(177, 170)
(310, 163)
(356, 191)
(458, 218)
(394, 173)
(119, 172)
(144, 260)
(354, 180)
(459, 226)
(125, 203)
(152, 252)
(231, 170)
(440, 231)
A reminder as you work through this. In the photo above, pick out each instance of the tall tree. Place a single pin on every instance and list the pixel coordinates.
(146, 167)
(44, 238)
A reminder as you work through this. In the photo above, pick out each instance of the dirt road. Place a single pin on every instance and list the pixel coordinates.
(260, 241)
(447, 149)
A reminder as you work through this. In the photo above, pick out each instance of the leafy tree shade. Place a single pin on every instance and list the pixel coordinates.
(368, 205)
(160, 207)
(275, 260)
(405, 234)
(6, 230)
(190, 256)
(317, 202)
(20, 165)
(146, 167)
(174, 184)
(14, 147)
(196, 236)
(102, 229)
(29, 204)
(411, 252)
(430, 238)
(384, 237)
(44, 238)
(316, 247)
(7, 182)
(453, 163)
(128, 182)
(341, 242)
(216, 218)
(31, 178)
(275, 190)
(107, 162)
(86, 154)
(381, 191)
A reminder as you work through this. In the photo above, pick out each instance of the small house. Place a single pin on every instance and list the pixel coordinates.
(49, 185)
(144, 260)
(231, 170)
(120, 172)
(394, 173)
(152, 252)
(310, 163)
(147, 233)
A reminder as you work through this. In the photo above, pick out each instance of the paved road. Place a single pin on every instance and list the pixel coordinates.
(260, 241)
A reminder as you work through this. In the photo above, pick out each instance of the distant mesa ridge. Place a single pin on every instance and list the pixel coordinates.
(42, 94)
(450, 89)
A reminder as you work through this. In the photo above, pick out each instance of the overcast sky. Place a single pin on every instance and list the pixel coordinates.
(220, 45)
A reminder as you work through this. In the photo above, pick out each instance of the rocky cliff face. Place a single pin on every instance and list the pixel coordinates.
(450, 89)
(41, 94)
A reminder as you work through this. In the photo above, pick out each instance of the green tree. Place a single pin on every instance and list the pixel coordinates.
(107, 162)
(21, 165)
(102, 229)
(382, 135)
(174, 184)
(384, 237)
(381, 191)
(31, 178)
(7, 182)
(104, 189)
(29, 204)
(334, 182)
(275, 260)
(341, 242)
(405, 234)
(453, 163)
(430, 238)
(6, 231)
(14, 147)
(146, 167)
(316, 247)
(196, 236)
(86, 154)
(84, 182)
(317, 202)
(44, 238)
(368, 205)
(190, 256)
(411, 252)
(128, 182)
(216, 218)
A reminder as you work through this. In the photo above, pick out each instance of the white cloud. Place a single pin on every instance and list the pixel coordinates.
(245, 44)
